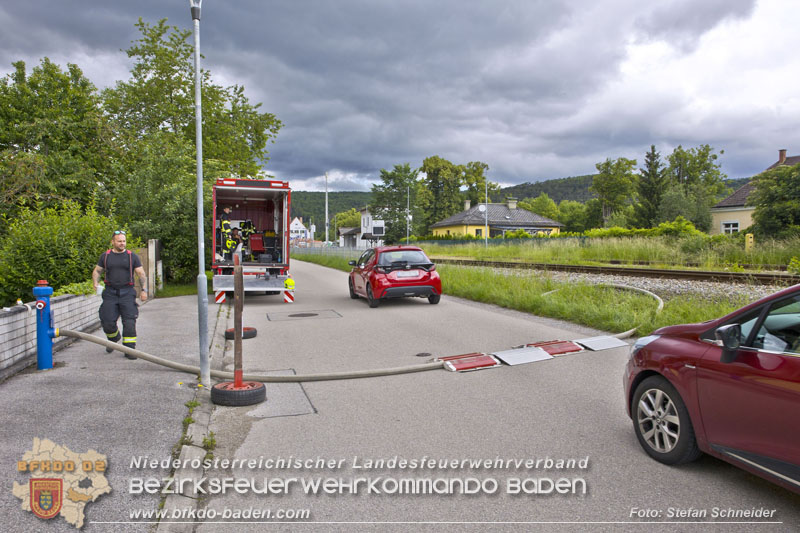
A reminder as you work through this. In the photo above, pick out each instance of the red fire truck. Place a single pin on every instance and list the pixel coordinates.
(260, 211)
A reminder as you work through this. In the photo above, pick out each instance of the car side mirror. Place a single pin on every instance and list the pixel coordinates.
(351, 263)
(731, 337)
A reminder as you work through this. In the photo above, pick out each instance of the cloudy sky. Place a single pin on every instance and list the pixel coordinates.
(537, 89)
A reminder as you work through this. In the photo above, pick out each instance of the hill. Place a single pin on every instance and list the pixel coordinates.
(311, 205)
(574, 188)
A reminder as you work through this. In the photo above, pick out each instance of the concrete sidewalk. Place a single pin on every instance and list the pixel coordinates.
(92, 400)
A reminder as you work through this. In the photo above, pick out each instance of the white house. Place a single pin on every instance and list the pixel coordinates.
(297, 229)
(372, 231)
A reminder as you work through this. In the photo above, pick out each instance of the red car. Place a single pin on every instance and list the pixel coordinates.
(729, 387)
(394, 272)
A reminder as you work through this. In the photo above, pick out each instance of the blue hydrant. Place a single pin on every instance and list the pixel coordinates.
(44, 325)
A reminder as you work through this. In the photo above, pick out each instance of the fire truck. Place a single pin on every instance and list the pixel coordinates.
(260, 211)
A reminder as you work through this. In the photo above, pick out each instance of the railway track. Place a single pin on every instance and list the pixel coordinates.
(760, 278)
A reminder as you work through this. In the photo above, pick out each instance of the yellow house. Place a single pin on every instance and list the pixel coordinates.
(733, 214)
(501, 218)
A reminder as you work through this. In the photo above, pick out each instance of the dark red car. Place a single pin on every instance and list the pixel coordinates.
(729, 387)
(394, 272)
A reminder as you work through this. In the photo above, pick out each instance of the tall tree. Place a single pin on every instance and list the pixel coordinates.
(573, 215)
(153, 117)
(650, 188)
(614, 184)
(593, 214)
(347, 219)
(53, 140)
(777, 201)
(475, 181)
(397, 190)
(542, 205)
(160, 97)
(443, 183)
(696, 167)
(692, 205)
(698, 175)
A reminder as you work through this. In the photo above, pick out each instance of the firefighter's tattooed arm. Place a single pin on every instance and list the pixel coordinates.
(143, 281)
(98, 270)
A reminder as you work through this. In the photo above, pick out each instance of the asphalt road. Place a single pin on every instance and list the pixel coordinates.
(570, 407)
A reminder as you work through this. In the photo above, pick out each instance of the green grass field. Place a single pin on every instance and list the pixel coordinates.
(712, 253)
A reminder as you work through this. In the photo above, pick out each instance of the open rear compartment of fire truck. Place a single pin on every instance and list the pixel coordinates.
(260, 211)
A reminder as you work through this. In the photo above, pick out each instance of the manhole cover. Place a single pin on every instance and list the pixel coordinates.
(302, 315)
(423, 354)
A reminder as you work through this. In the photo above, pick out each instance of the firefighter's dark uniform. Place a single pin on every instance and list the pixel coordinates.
(119, 297)
(247, 230)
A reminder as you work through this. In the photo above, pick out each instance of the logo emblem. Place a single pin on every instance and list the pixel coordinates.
(46, 497)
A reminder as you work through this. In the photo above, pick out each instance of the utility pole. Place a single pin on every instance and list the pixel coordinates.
(408, 211)
(486, 216)
(326, 209)
(202, 283)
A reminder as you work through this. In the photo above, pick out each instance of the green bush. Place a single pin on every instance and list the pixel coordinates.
(694, 244)
(60, 245)
(794, 266)
(680, 227)
(81, 288)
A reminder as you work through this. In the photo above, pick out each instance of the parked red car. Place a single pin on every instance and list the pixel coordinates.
(729, 387)
(394, 272)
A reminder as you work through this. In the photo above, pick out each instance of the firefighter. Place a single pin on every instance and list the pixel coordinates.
(227, 243)
(247, 230)
(118, 266)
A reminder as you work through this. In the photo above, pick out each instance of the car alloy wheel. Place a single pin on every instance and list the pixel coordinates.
(434, 298)
(658, 420)
(662, 424)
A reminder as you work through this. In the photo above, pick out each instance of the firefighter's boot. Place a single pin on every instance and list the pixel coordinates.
(113, 338)
(132, 345)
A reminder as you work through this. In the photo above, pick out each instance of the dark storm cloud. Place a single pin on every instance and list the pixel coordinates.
(362, 85)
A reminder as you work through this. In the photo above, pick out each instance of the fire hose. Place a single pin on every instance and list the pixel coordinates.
(328, 376)
(251, 377)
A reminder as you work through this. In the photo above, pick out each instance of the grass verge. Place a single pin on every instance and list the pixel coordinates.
(182, 289)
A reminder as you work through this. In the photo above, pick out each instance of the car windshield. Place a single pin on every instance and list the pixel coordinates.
(408, 257)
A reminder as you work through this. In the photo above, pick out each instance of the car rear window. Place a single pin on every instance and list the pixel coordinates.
(403, 256)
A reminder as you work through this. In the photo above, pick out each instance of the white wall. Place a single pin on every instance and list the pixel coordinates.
(18, 329)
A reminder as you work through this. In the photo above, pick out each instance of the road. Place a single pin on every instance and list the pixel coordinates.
(569, 407)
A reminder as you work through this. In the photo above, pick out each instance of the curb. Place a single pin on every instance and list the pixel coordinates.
(195, 432)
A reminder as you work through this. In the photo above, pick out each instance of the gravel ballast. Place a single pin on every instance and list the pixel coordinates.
(665, 288)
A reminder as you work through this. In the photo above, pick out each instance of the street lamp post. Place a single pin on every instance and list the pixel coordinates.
(326, 209)
(408, 202)
(202, 284)
(486, 216)
(408, 208)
